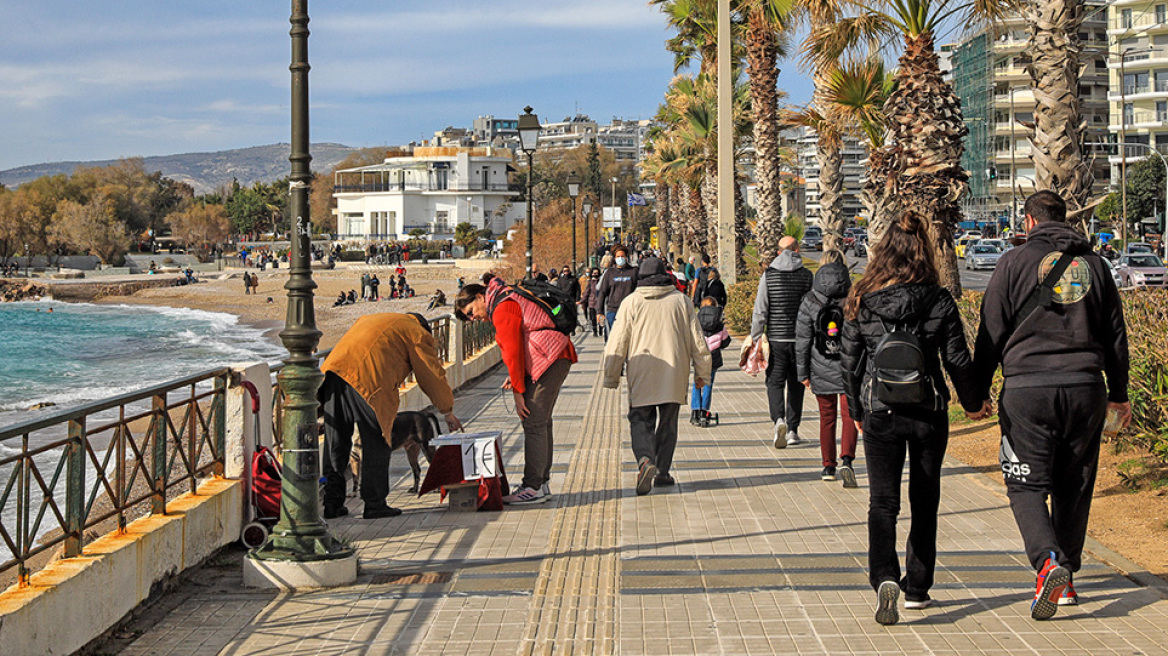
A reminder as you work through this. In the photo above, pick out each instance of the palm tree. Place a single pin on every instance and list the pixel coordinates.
(1058, 120)
(765, 22)
(858, 90)
(924, 114)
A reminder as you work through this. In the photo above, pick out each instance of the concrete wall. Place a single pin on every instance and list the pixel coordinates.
(72, 601)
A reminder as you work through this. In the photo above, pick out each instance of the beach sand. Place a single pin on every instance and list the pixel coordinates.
(224, 293)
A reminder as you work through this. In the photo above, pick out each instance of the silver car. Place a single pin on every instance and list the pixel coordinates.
(982, 256)
(1142, 270)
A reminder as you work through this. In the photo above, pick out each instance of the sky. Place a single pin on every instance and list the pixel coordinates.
(83, 80)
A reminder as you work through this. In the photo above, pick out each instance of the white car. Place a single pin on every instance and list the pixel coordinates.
(999, 244)
(982, 256)
(1114, 272)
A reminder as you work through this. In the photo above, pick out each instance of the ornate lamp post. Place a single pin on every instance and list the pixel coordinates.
(573, 192)
(587, 208)
(528, 140)
(300, 536)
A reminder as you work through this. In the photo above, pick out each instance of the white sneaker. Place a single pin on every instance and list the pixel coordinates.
(781, 440)
(793, 439)
(918, 604)
(547, 490)
(524, 496)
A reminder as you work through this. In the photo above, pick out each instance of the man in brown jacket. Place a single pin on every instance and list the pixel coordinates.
(362, 377)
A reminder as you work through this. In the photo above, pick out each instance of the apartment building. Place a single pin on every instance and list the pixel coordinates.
(1139, 79)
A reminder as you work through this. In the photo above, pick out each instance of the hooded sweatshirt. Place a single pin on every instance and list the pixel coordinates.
(932, 315)
(831, 285)
(1075, 340)
(658, 335)
(714, 328)
(616, 283)
(780, 291)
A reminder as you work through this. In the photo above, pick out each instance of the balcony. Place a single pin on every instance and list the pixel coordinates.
(1138, 91)
(1141, 118)
(387, 187)
(1150, 22)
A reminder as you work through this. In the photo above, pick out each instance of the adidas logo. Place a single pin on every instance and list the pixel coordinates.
(1012, 466)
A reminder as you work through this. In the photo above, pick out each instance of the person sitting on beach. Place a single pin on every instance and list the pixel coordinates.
(351, 298)
(340, 300)
(153, 266)
(437, 300)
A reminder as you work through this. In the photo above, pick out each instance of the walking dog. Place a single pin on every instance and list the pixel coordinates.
(412, 432)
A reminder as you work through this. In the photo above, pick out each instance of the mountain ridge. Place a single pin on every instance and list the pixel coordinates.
(205, 171)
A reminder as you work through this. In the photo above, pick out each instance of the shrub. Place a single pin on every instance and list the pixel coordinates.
(740, 304)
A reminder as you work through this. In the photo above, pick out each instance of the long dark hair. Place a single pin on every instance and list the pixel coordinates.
(904, 255)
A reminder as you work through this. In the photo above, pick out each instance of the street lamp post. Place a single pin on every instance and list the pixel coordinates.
(587, 208)
(300, 535)
(615, 207)
(573, 192)
(528, 140)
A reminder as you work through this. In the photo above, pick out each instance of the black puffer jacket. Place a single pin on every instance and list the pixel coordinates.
(710, 319)
(831, 284)
(940, 332)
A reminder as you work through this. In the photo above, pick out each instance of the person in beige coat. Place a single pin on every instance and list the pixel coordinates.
(660, 339)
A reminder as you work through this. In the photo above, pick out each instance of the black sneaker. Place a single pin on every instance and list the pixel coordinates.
(663, 480)
(886, 596)
(847, 473)
(828, 474)
(378, 512)
(332, 512)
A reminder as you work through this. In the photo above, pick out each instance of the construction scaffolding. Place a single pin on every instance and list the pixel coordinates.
(973, 82)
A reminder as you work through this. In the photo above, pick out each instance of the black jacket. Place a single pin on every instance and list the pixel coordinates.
(780, 291)
(710, 319)
(615, 285)
(941, 334)
(571, 285)
(1074, 341)
(716, 290)
(832, 283)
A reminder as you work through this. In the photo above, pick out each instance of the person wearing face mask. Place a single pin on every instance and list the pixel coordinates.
(590, 301)
(615, 285)
(569, 283)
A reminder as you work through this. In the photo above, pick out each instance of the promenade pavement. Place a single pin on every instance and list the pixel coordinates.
(751, 553)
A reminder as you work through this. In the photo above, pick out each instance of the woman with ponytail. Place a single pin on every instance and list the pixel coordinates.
(900, 327)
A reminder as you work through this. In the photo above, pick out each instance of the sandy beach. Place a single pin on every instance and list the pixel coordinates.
(223, 292)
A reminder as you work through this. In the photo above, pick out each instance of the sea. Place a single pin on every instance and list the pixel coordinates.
(57, 355)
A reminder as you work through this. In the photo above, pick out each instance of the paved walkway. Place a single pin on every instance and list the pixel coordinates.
(751, 553)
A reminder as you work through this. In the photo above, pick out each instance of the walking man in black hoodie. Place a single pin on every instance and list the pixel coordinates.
(1054, 353)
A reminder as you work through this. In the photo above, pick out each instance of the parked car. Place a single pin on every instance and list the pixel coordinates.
(1141, 270)
(1140, 247)
(963, 245)
(971, 234)
(996, 243)
(1114, 272)
(850, 236)
(982, 256)
(812, 239)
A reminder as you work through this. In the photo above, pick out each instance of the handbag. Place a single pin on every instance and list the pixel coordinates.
(754, 356)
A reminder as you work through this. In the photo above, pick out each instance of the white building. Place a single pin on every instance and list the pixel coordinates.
(434, 190)
(624, 138)
(854, 154)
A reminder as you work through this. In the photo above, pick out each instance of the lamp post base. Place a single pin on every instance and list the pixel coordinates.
(265, 573)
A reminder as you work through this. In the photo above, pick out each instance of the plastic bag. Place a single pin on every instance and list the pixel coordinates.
(754, 356)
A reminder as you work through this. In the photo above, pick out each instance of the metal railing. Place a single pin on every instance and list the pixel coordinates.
(382, 187)
(124, 451)
(476, 336)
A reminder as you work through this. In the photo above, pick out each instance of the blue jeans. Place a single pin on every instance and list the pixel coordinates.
(700, 399)
(610, 321)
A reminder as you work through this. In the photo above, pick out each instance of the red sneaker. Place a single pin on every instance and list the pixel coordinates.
(1070, 597)
(1052, 581)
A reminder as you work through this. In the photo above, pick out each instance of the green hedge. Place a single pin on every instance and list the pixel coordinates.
(1146, 315)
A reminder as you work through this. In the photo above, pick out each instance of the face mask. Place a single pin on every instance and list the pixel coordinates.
(621, 261)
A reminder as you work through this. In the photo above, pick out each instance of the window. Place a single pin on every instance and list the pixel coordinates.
(1161, 111)
(1161, 13)
(1125, 19)
(1129, 113)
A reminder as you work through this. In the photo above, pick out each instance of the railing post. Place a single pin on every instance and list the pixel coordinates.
(219, 408)
(193, 441)
(158, 499)
(75, 488)
(23, 507)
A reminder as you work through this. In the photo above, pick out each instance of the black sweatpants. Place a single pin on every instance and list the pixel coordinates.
(344, 407)
(1050, 447)
(888, 437)
(781, 377)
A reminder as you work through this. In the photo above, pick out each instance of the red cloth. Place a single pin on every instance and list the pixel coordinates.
(446, 469)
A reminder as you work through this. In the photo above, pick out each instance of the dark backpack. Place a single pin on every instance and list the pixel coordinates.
(557, 303)
(900, 375)
(829, 323)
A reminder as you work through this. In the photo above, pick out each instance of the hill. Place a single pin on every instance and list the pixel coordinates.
(204, 171)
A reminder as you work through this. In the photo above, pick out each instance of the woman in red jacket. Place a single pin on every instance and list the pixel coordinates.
(538, 358)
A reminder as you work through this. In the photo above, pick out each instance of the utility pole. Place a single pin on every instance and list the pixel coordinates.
(727, 243)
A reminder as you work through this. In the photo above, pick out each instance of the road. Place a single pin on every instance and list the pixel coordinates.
(971, 280)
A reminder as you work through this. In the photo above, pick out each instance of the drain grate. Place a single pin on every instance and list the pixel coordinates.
(412, 578)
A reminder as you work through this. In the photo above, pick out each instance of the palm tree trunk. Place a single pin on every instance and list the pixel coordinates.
(697, 221)
(739, 230)
(880, 201)
(1058, 119)
(664, 209)
(927, 127)
(710, 204)
(761, 49)
(829, 157)
(678, 226)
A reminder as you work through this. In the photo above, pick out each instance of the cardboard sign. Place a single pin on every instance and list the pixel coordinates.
(480, 455)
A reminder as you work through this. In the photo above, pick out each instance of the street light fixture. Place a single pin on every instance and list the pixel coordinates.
(587, 208)
(615, 207)
(573, 192)
(301, 535)
(528, 140)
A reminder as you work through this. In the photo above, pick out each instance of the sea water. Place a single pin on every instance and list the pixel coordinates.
(80, 353)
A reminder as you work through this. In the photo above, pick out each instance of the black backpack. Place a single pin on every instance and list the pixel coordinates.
(900, 374)
(829, 324)
(557, 303)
